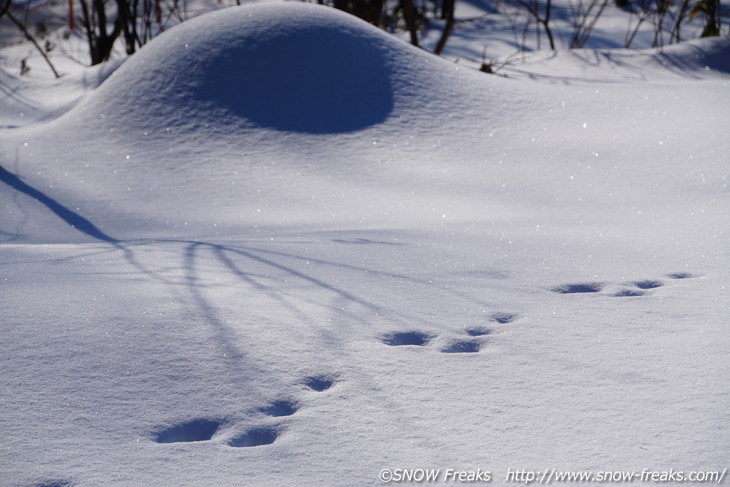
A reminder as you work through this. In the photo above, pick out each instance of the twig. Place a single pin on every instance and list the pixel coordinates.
(32, 39)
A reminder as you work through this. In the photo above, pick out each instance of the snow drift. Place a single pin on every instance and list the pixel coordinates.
(294, 67)
(260, 111)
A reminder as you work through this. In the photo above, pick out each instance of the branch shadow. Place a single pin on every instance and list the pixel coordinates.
(12, 93)
(600, 65)
(188, 281)
(73, 219)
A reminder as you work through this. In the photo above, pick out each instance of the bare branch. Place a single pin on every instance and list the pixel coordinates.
(30, 37)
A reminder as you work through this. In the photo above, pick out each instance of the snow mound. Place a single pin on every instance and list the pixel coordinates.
(711, 54)
(291, 67)
(262, 112)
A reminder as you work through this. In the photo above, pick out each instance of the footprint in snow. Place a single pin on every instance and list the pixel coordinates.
(627, 293)
(504, 318)
(478, 331)
(576, 288)
(398, 339)
(648, 284)
(53, 483)
(641, 285)
(421, 339)
(262, 435)
(203, 429)
(682, 275)
(266, 435)
(463, 346)
(280, 408)
(633, 289)
(319, 383)
(195, 430)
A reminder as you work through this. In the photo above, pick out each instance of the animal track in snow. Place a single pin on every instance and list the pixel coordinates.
(682, 275)
(462, 347)
(630, 289)
(280, 408)
(648, 284)
(319, 383)
(585, 287)
(504, 318)
(478, 331)
(406, 338)
(264, 435)
(203, 429)
(423, 339)
(54, 483)
(195, 430)
(501, 317)
(629, 293)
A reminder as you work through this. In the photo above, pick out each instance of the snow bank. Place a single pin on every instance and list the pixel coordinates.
(299, 115)
(292, 67)
(257, 111)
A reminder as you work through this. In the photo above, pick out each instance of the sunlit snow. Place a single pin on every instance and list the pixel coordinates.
(280, 246)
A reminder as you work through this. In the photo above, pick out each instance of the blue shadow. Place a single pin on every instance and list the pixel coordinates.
(69, 216)
(313, 80)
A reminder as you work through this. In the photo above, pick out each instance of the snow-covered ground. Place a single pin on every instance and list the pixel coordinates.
(279, 246)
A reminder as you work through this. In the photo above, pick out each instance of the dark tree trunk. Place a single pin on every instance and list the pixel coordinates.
(409, 12)
(447, 9)
(447, 29)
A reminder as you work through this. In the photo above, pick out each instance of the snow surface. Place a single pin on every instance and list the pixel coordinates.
(278, 245)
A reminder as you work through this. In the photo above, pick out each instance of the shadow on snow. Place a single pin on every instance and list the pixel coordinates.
(72, 218)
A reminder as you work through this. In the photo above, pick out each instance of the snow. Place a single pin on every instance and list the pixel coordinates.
(278, 245)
